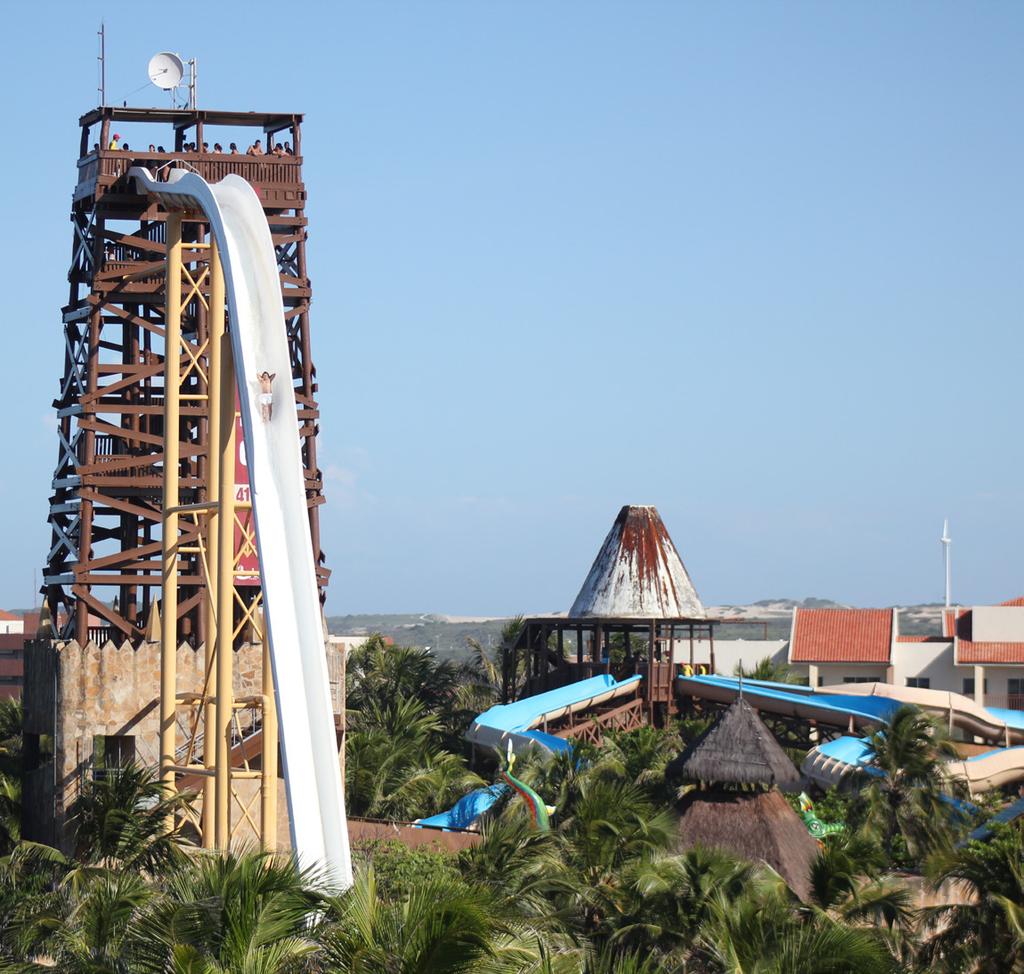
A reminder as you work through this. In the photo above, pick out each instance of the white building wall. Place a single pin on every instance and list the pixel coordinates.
(11, 626)
(932, 661)
(730, 652)
(827, 674)
(998, 678)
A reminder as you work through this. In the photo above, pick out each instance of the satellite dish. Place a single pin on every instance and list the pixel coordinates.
(166, 70)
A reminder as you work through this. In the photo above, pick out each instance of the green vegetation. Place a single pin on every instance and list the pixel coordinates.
(606, 890)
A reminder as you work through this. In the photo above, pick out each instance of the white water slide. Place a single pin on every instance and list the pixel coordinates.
(291, 602)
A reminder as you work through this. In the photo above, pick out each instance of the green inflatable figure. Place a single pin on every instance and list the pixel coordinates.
(540, 814)
(815, 825)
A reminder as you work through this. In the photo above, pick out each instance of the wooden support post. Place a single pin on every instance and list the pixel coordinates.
(169, 592)
(652, 687)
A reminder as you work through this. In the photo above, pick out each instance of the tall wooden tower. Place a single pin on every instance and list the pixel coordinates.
(103, 569)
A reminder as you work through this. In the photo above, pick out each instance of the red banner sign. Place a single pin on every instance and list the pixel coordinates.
(247, 563)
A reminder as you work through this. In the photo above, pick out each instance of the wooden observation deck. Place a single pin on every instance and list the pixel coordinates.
(103, 567)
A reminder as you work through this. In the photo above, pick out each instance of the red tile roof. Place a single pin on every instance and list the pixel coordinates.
(922, 639)
(968, 651)
(6, 616)
(1017, 601)
(841, 636)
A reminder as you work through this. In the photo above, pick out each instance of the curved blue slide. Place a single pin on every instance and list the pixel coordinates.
(516, 723)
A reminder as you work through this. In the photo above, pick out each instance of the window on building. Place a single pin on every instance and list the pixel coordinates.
(862, 679)
(968, 690)
(920, 682)
(111, 752)
(1015, 691)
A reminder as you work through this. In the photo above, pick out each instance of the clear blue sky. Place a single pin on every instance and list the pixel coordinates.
(758, 264)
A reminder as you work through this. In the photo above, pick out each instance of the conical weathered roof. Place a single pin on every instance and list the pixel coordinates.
(637, 574)
(737, 750)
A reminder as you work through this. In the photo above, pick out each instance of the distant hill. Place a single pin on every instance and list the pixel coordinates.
(765, 619)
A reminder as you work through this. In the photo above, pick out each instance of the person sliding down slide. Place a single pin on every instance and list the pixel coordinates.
(266, 395)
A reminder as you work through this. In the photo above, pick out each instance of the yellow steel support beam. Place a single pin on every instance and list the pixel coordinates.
(216, 379)
(268, 807)
(225, 592)
(172, 417)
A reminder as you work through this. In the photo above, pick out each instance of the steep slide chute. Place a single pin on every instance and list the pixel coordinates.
(860, 706)
(291, 601)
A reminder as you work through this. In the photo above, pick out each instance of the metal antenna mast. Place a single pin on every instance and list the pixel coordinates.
(946, 542)
(102, 32)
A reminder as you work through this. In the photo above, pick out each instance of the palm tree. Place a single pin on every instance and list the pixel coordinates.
(638, 756)
(608, 825)
(28, 877)
(10, 812)
(441, 928)
(984, 931)
(12, 721)
(768, 670)
(522, 867)
(231, 912)
(912, 750)
(378, 674)
(671, 898)
(484, 671)
(122, 820)
(87, 926)
(395, 765)
(761, 932)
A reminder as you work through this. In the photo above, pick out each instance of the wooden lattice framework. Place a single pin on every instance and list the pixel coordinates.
(553, 651)
(103, 568)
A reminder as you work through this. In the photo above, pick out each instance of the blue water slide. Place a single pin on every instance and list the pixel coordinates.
(521, 723)
(465, 812)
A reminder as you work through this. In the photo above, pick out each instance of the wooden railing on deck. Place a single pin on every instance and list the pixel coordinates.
(108, 166)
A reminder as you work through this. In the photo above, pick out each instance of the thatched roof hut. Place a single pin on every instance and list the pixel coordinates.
(756, 823)
(759, 826)
(737, 750)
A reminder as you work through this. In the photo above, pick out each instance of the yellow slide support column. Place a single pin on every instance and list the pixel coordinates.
(215, 380)
(225, 584)
(169, 579)
(268, 795)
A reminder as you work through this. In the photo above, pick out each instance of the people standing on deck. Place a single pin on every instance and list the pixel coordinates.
(256, 149)
(114, 142)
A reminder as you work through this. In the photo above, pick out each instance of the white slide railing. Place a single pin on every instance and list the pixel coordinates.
(291, 601)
